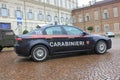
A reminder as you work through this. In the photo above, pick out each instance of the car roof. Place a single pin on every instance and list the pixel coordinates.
(50, 26)
(46, 26)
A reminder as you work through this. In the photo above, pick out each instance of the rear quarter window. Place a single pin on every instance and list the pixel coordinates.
(36, 32)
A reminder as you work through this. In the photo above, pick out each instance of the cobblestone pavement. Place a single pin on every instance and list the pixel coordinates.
(70, 67)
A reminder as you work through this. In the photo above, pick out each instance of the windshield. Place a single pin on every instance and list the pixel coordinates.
(110, 33)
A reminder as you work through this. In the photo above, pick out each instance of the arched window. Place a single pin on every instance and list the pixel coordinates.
(56, 19)
(40, 16)
(49, 18)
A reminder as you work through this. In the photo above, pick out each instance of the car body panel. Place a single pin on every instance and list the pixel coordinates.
(60, 43)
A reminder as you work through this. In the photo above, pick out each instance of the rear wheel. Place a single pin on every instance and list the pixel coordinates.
(39, 53)
(101, 47)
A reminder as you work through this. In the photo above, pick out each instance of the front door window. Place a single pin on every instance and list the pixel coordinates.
(73, 31)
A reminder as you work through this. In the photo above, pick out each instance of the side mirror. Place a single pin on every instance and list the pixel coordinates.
(84, 33)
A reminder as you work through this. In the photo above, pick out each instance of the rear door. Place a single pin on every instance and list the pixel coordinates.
(56, 38)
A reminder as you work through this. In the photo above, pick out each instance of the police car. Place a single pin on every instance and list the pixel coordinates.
(58, 39)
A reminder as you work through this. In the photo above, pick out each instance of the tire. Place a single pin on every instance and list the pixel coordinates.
(101, 47)
(1, 49)
(39, 53)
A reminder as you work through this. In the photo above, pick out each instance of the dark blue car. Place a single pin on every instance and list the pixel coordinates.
(58, 39)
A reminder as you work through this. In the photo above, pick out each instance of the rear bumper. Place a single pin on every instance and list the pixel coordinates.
(21, 51)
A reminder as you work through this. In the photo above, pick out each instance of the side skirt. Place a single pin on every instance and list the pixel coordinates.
(62, 52)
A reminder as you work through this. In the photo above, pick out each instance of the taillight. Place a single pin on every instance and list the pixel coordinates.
(18, 39)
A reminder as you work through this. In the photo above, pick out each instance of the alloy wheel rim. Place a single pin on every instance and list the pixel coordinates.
(101, 47)
(39, 53)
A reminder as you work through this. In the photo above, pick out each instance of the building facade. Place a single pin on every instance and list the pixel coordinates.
(20, 15)
(104, 16)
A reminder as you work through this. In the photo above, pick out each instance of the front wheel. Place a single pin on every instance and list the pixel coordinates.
(101, 47)
(39, 53)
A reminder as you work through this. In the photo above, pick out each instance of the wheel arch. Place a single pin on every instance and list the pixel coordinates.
(94, 49)
(49, 51)
(101, 40)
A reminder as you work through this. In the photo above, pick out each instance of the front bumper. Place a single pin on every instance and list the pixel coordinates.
(109, 44)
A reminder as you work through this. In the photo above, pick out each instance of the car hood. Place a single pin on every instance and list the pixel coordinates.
(99, 36)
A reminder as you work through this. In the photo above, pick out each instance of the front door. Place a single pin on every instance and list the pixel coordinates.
(77, 40)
